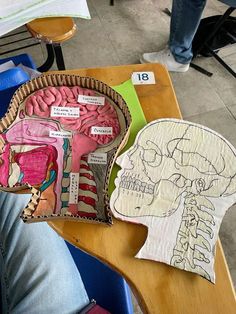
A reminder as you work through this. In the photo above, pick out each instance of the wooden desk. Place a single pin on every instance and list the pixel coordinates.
(158, 287)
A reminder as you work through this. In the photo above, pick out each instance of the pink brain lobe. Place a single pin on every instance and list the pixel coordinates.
(40, 103)
(83, 142)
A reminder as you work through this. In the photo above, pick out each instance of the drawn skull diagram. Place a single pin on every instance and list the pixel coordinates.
(178, 179)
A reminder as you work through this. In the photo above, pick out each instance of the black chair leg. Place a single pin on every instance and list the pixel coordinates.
(59, 57)
(221, 61)
(200, 69)
(217, 26)
(50, 59)
(111, 2)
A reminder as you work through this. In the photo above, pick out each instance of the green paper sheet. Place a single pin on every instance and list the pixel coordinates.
(127, 91)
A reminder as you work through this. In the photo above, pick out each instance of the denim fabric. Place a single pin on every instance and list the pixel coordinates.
(38, 274)
(186, 16)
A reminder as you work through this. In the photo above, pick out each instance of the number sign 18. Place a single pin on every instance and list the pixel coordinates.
(140, 78)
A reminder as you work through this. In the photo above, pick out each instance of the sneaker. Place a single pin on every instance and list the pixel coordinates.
(166, 58)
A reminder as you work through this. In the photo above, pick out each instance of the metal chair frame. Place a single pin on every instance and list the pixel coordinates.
(54, 51)
(204, 44)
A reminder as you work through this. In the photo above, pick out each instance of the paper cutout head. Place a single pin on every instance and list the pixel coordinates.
(178, 179)
(41, 149)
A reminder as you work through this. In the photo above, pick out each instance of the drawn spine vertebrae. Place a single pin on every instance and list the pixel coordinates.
(195, 230)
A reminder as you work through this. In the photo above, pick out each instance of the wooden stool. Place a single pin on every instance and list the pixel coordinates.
(52, 31)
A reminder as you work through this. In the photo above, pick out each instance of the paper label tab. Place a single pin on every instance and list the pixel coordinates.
(91, 100)
(101, 130)
(6, 66)
(142, 78)
(97, 158)
(74, 188)
(60, 134)
(68, 112)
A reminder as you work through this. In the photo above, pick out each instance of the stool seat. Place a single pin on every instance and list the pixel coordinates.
(52, 30)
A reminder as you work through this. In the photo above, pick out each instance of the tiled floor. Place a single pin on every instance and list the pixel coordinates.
(118, 35)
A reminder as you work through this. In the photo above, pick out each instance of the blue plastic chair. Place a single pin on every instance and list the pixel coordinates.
(106, 286)
(11, 79)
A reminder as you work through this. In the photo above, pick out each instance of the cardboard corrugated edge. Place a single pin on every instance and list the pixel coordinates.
(46, 80)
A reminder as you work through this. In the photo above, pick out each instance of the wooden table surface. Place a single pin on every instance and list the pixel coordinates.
(159, 288)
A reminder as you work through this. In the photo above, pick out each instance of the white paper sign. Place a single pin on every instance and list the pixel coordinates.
(68, 112)
(101, 130)
(91, 100)
(74, 188)
(60, 134)
(97, 158)
(141, 78)
(6, 66)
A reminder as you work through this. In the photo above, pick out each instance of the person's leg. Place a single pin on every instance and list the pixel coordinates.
(38, 274)
(185, 19)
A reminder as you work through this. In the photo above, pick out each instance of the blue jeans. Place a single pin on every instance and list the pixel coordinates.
(38, 274)
(185, 18)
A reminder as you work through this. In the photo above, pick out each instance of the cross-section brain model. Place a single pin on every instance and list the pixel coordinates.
(48, 147)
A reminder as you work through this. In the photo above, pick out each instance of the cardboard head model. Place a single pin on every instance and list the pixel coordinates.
(53, 125)
(178, 179)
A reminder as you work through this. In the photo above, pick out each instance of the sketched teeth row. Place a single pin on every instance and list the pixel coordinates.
(136, 185)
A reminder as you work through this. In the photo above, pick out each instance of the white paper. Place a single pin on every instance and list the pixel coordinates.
(91, 100)
(142, 78)
(8, 8)
(60, 134)
(6, 66)
(67, 112)
(100, 130)
(6, 27)
(74, 188)
(97, 158)
(183, 205)
(49, 8)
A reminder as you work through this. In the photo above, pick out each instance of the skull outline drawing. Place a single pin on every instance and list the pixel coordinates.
(178, 179)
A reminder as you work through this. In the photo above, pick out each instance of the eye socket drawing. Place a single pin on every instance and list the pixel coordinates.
(40, 150)
(178, 179)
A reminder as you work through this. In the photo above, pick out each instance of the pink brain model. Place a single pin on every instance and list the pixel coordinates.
(83, 142)
(40, 103)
